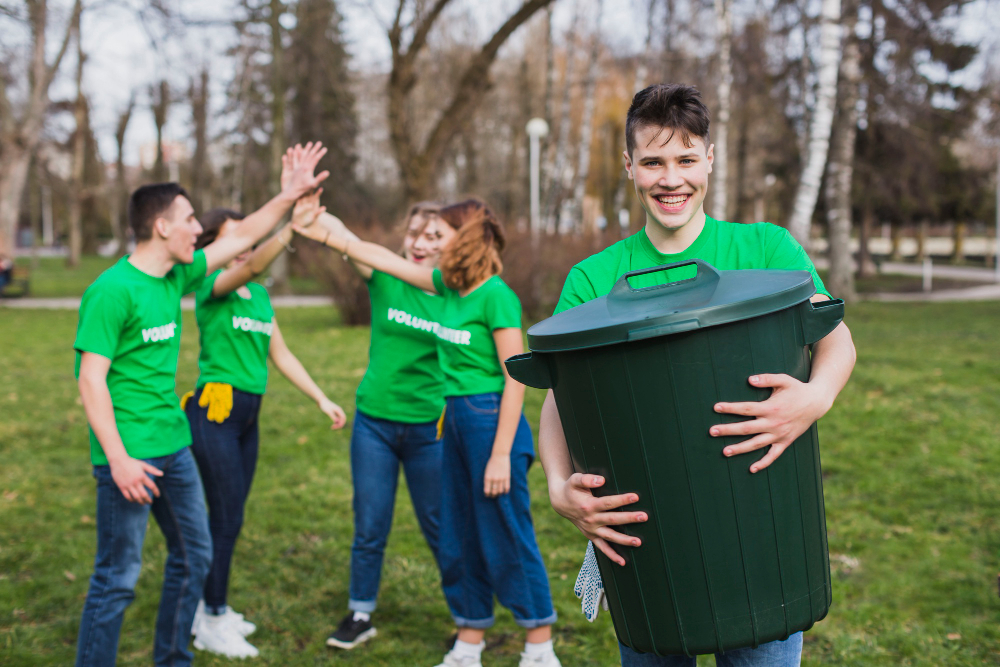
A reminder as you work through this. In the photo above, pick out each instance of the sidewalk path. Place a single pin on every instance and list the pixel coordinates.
(73, 303)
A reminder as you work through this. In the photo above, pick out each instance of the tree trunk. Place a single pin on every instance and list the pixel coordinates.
(586, 129)
(556, 167)
(160, 96)
(866, 267)
(279, 269)
(800, 223)
(19, 137)
(958, 237)
(720, 169)
(76, 194)
(922, 228)
(200, 171)
(119, 191)
(841, 167)
(897, 242)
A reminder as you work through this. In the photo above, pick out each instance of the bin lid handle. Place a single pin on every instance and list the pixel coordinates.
(704, 281)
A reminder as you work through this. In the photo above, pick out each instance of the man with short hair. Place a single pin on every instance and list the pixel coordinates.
(668, 158)
(127, 344)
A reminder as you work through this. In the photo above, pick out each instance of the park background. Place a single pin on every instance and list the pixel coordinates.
(869, 128)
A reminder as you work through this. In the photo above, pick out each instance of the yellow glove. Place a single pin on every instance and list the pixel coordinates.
(441, 425)
(185, 398)
(218, 398)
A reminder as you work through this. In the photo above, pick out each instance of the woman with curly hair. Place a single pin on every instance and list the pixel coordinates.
(487, 540)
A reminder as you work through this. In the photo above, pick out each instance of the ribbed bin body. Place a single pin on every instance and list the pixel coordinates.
(729, 559)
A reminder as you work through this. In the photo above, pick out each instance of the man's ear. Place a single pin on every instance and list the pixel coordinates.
(628, 164)
(161, 226)
(711, 156)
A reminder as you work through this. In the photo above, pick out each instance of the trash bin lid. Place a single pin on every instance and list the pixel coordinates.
(709, 299)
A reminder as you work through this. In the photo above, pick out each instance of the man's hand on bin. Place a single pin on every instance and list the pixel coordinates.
(793, 406)
(594, 515)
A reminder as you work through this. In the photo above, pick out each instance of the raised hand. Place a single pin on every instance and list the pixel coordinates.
(297, 167)
(307, 209)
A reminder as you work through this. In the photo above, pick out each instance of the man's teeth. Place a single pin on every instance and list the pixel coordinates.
(672, 200)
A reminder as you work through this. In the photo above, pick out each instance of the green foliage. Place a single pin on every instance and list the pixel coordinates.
(911, 476)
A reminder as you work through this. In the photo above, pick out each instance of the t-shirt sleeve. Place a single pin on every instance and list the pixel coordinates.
(193, 274)
(204, 292)
(103, 314)
(784, 252)
(503, 309)
(439, 282)
(576, 290)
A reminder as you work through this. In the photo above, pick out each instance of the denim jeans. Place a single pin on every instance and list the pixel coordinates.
(785, 653)
(378, 446)
(488, 544)
(227, 457)
(121, 530)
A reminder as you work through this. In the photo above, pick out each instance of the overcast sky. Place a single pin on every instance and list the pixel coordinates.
(127, 50)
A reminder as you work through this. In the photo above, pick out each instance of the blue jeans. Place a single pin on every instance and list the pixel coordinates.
(121, 529)
(488, 544)
(785, 653)
(227, 457)
(378, 446)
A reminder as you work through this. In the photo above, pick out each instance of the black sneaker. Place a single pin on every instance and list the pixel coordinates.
(350, 633)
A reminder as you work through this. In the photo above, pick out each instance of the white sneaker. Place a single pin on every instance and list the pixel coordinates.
(243, 626)
(547, 660)
(453, 660)
(219, 634)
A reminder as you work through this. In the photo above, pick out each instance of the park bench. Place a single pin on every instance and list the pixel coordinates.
(19, 284)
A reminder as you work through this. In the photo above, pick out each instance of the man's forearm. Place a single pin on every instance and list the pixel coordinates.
(101, 416)
(250, 231)
(553, 451)
(832, 362)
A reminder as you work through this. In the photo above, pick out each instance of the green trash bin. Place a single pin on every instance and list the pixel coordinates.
(729, 559)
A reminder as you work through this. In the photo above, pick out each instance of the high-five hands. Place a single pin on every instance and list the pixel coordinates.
(297, 167)
(307, 210)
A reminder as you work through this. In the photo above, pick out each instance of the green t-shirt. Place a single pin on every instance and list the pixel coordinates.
(134, 319)
(235, 334)
(465, 338)
(404, 381)
(724, 245)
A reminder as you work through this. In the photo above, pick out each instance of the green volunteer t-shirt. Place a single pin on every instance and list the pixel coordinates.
(465, 338)
(235, 334)
(724, 245)
(134, 319)
(404, 381)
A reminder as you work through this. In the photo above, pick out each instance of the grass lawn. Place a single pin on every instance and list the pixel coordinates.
(912, 480)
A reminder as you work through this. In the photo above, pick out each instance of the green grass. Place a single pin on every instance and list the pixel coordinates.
(912, 481)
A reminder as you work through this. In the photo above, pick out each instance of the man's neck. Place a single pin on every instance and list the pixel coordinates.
(673, 241)
(152, 259)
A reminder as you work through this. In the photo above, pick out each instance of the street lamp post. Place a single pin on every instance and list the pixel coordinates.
(536, 128)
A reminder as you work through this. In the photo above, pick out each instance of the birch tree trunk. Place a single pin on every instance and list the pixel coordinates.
(586, 129)
(720, 168)
(800, 223)
(841, 167)
(20, 134)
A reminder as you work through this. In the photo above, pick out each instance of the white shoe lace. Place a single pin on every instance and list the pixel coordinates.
(452, 660)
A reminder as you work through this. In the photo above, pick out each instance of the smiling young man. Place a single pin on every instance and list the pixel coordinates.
(127, 343)
(668, 158)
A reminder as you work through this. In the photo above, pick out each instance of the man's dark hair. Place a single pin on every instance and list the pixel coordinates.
(671, 106)
(148, 203)
(211, 223)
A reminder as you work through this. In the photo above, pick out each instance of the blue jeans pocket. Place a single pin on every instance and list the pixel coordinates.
(484, 404)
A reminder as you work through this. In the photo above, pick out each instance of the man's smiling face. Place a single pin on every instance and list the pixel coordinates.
(671, 178)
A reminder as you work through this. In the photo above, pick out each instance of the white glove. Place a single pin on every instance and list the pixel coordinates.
(589, 587)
